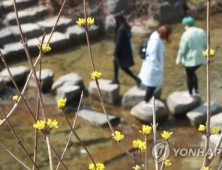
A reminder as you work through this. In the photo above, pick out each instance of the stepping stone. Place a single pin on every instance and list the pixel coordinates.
(77, 34)
(17, 48)
(213, 141)
(199, 115)
(68, 80)
(5, 36)
(29, 31)
(135, 95)
(179, 105)
(58, 40)
(2, 84)
(215, 120)
(27, 15)
(20, 4)
(145, 114)
(46, 79)
(110, 92)
(97, 118)
(19, 74)
(49, 23)
(71, 93)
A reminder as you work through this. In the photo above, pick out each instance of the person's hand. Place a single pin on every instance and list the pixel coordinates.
(177, 63)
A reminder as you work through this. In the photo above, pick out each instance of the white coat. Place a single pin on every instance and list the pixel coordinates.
(151, 72)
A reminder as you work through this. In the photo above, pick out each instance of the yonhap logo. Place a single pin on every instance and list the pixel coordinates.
(160, 152)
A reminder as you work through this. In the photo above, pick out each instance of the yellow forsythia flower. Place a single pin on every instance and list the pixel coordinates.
(146, 130)
(90, 21)
(40, 124)
(81, 22)
(137, 167)
(96, 75)
(202, 128)
(167, 163)
(136, 143)
(117, 136)
(45, 47)
(214, 130)
(206, 51)
(166, 135)
(142, 146)
(15, 98)
(52, 124)
(99, 166)
(0, 120)
(206, 168)
(61, 103)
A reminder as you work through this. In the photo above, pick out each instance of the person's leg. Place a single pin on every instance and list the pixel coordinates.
(116, 70)
(195, 80)
(190, 82)
(149, 93)
(129, 72)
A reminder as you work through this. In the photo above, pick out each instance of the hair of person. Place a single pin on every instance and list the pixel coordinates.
(120, 21)
(164, 32)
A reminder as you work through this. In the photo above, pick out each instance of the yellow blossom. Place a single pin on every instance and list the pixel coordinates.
(142, 146)
(45, 47)
(99, 166)
(206, 52)
(167, 163)
(202, 128)
(166, 135)
(40, 124)
(0, 120)
(52, 124)
(136, 143)
(214, 130)
(117, 136)
(206, 168)
(81, 22)
(90, 21)
(146, 129)
(15, 98)
(96, 75)
(61, 103)
(137, 167)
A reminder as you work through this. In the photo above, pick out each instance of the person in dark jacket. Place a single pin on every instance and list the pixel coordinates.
(122, 56)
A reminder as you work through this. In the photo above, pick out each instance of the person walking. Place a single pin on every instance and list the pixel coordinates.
(151, 72)
(193, 42)
(122, 56)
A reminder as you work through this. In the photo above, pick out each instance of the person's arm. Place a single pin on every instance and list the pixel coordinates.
(182, 49)
(118, 43)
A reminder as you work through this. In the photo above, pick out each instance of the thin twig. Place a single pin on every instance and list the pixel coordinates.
(206, 161)
(17, 159)
(49, 151)
(18, 139)
(80, 141)
(71, 133)
(146, 153)
(154, 126)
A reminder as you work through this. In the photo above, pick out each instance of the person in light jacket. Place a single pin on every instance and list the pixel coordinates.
(193, 42)
(122, 56)
(151, 73)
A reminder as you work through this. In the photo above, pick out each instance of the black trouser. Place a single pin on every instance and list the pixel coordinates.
(192, 81)
(126, 70)
(149, 93)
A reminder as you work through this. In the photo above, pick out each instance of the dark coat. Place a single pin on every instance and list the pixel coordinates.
(123, 51)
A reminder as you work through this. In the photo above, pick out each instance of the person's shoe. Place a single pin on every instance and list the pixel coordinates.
(147, 104)
(197, 92)
(114, 81)
(188, 95)
(138, 82)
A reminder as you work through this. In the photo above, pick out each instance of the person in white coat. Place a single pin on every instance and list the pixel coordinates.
(151, 73)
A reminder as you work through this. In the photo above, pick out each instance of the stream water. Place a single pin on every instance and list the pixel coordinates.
(98, 140)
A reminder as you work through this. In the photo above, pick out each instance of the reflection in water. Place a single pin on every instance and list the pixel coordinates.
(97, 139)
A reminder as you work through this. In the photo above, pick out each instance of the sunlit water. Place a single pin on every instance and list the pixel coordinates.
(98, 140)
